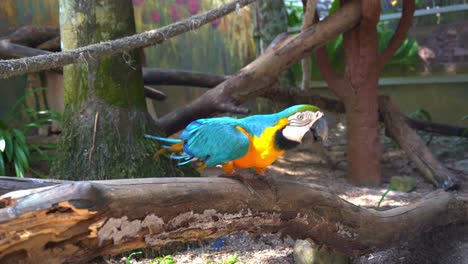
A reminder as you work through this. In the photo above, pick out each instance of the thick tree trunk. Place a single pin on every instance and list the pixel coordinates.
(360, 99)
(105, 116)
(76, 222)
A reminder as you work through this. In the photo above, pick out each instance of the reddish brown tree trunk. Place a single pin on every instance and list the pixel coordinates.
(361, 55)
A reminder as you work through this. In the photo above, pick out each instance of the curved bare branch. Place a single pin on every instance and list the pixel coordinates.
(400, 33)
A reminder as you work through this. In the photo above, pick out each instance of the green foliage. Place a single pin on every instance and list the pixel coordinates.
(229, 260)
(402, 184)
(163, 260)
(128, 259)
(15, 154)
(295, 13)
(405, 57)
(423, 115)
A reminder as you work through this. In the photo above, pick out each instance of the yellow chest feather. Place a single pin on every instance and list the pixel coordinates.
(262, 151)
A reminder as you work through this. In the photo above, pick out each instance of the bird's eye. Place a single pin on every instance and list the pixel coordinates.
(300, 116)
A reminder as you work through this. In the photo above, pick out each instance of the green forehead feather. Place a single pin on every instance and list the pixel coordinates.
(297, 108)
(306, 107)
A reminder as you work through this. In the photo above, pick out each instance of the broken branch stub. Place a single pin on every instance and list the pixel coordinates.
(82, 220)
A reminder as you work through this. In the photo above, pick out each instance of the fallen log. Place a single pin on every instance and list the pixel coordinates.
(76, 222)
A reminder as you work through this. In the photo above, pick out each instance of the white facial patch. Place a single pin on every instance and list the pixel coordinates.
(299, 124)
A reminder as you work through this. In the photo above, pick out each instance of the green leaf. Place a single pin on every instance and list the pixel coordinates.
(19, 136)
(3, 125)
(2, 141)
(19, 170)
(2, 145)
(232, 259)
(2, 165)
(129, 258)
(334, 7)
(8, 144)
(21, 156)
(402, 184)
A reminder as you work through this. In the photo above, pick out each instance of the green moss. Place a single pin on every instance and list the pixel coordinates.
(111, 88)
(120, 150)
(119, 81)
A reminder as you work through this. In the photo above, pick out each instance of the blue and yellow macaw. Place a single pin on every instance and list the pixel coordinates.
(251, 142)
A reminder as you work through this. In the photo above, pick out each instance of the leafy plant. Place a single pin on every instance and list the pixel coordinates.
(163, 260)
(295, 13)
(405, 57)
(402, 184)
(14, 151)
(230, 260)
(129, 257)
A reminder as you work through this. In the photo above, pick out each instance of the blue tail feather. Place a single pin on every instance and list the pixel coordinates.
(187, 161)
(185, 156)
(168, 140)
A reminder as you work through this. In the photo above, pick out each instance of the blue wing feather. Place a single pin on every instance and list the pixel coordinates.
(215, 140)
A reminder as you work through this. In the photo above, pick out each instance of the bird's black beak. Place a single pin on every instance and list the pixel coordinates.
(320, 130)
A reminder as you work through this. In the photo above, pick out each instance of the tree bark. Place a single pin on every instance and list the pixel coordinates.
(259, 75)
(361, 53)
(79, 221)
(105, 117)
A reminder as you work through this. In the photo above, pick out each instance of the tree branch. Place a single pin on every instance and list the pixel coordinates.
(337, 84)
(10, 50)
(154, 94)
(92, 52)
(32, 36)
(413, 145)
(155, 76)
(78, 221)
(400, 33)
(259, 75)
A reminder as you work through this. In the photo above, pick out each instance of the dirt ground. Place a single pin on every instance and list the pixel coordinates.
(327, 167)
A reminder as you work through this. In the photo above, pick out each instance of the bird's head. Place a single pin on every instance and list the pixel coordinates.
(302, 119)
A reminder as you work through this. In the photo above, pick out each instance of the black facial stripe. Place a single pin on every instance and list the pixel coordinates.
(282, 143)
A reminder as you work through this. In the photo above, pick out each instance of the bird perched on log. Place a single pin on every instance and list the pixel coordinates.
(251, 142)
